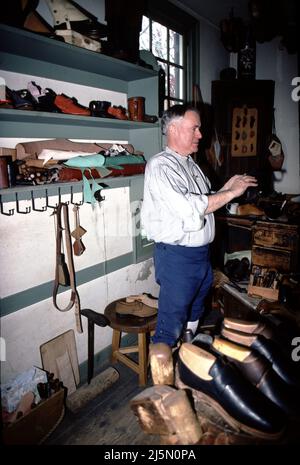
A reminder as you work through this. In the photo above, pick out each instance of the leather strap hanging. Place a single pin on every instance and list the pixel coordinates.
(65, 274)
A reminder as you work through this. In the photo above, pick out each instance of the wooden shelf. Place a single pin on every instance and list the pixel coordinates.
(18, 44)
(24, 192)
(24, 123)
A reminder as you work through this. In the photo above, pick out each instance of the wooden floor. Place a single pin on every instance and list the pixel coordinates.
(107, 419)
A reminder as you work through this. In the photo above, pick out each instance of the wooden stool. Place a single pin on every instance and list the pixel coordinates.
(130, 324)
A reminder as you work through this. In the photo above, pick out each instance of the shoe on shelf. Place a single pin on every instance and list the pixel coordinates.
(5, 99)
(70, 105)
(150, 119)
(99, 108)
(35, 90)
(117, 112)
(21, 99)
(220, 385)
(44, 98)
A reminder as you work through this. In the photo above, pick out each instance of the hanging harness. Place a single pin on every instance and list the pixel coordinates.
(65, 274)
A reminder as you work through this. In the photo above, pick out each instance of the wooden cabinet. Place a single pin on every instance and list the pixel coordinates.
(275, 245)
(243, 114)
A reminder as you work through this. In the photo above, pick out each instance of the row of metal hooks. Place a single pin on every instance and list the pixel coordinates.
(33, 206)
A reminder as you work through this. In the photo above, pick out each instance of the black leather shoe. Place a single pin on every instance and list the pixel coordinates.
(229, 393)
(258, 370)
(284, 367)
(187, 335)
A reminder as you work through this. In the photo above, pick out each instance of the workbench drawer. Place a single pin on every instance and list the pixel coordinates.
(281, 260)
(281, 236)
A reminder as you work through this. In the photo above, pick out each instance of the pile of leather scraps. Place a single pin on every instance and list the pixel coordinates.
(62, 160)
(34, 172)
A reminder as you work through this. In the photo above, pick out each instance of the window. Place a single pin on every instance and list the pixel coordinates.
(168, 47)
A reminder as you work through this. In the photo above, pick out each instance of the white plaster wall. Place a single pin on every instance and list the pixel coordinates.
(273, 62)
(213, 58)
(27, 253)
(26, 330)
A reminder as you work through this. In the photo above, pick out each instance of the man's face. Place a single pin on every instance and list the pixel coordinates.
(186, 134)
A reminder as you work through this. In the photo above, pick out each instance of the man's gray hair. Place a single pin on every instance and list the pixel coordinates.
(176, 112)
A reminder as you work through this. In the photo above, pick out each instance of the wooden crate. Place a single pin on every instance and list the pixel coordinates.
(35, 427)
(282, 260)
(265, 292)
(276, 235)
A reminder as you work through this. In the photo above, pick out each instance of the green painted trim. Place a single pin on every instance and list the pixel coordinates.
(31, 296)
(24, 192)
(102, 358)
(57, 56)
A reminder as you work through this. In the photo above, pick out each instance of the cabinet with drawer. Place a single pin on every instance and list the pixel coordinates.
(275, 245)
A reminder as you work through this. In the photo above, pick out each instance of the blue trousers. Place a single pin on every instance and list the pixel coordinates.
(185, 277)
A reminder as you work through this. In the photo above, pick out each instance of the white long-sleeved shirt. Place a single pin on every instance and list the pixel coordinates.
(175, 199)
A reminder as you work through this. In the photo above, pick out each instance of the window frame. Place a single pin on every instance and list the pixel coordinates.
(177, 20)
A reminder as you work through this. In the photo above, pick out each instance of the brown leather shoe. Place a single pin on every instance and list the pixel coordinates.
(135, 308)
(117, 112)
(70, 106)
(249, 209)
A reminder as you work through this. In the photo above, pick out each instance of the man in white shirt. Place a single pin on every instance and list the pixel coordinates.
(177, 214)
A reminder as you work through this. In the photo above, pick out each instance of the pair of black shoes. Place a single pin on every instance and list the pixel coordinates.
(241, 383)
(23, 99)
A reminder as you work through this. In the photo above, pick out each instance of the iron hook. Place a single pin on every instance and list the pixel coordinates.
(28, 209)
(10, 211)
(44, 208)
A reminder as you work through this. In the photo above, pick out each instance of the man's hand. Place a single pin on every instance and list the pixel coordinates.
(235, 187)
(239, 183)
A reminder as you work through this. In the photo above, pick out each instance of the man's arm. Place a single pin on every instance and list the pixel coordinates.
(235, 187)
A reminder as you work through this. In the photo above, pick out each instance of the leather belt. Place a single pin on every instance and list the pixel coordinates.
(65, 274)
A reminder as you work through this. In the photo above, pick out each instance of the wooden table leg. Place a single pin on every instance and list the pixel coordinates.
(115, 345)
(142, 342)
(90, 350)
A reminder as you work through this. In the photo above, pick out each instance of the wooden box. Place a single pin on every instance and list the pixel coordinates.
(275, 235)
(4, 152)
(265, 292)
(36, 426)
(282, 260)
